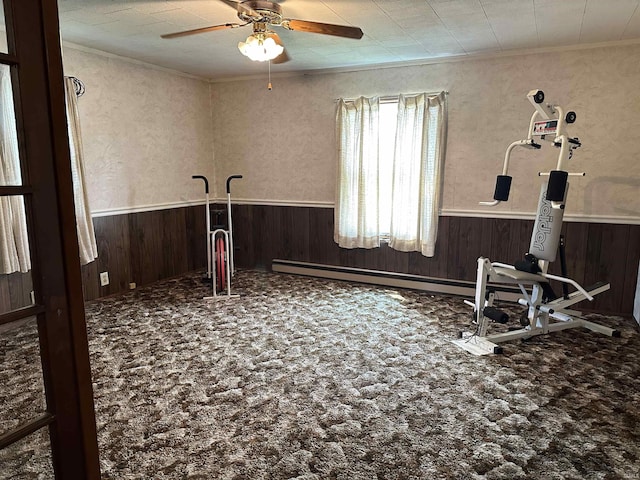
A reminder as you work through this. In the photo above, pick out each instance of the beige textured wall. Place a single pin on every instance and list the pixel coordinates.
(283, 140)
(145, 132)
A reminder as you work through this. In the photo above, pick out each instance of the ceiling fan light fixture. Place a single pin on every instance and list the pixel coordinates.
(260, 48)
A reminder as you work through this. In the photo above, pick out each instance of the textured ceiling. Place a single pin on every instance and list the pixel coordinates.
(394, 30)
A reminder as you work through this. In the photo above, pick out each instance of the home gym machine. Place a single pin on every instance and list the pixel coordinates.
(220, 254)
(545, 312)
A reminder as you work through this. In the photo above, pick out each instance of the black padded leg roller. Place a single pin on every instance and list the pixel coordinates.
(496, 315)
(503, 185)
(557, 185)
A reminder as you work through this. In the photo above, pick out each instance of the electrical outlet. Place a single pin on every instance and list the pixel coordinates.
(104, 279)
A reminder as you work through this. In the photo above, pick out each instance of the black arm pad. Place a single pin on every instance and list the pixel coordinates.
(557, 185)
(503, 185)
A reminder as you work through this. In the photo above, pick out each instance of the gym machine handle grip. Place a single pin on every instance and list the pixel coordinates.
(206, 182)
(229, 181)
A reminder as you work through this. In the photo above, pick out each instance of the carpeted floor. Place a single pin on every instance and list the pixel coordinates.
(313, 379)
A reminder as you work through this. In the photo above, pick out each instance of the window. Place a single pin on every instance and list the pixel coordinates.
(390, 155)
(386, 145)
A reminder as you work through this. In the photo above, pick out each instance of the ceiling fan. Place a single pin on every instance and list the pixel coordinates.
(265, 44)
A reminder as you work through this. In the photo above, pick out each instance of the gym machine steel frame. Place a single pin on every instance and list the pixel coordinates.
(544, 313)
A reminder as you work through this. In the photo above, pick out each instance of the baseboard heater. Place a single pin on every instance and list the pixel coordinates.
(391, 279)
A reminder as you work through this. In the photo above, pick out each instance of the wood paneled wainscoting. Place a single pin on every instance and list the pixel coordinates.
(145, 247)
(595, 251)
(149, 246)
(15, 291)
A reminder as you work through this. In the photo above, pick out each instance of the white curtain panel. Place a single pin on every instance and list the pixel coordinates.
(419, 153)
(84, 223)
(356, 212)
(14, 239)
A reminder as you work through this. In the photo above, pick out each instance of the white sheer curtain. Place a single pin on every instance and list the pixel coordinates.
(419, 153)
(356, 211)
(417, 165)
(84, 223)
(14, 241)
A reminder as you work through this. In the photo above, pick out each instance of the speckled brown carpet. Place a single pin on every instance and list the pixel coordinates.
(314, 379)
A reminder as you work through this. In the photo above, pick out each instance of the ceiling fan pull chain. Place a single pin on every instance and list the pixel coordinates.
(269, 87)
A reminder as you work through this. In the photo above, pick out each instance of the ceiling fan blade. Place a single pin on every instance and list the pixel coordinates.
(202, 30)
(231, 3)
(245, 11)
(324, 28)
(283, 57)
(276, 38)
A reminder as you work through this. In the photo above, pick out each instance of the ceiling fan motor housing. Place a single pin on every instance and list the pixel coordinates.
(260, 11)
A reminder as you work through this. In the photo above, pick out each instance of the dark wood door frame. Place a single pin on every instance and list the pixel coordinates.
(34, 48)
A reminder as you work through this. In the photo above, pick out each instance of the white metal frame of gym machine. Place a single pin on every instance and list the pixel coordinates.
(544, 313)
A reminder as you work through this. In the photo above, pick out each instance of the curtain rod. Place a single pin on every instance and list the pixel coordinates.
(390, 98)
(79, 86)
